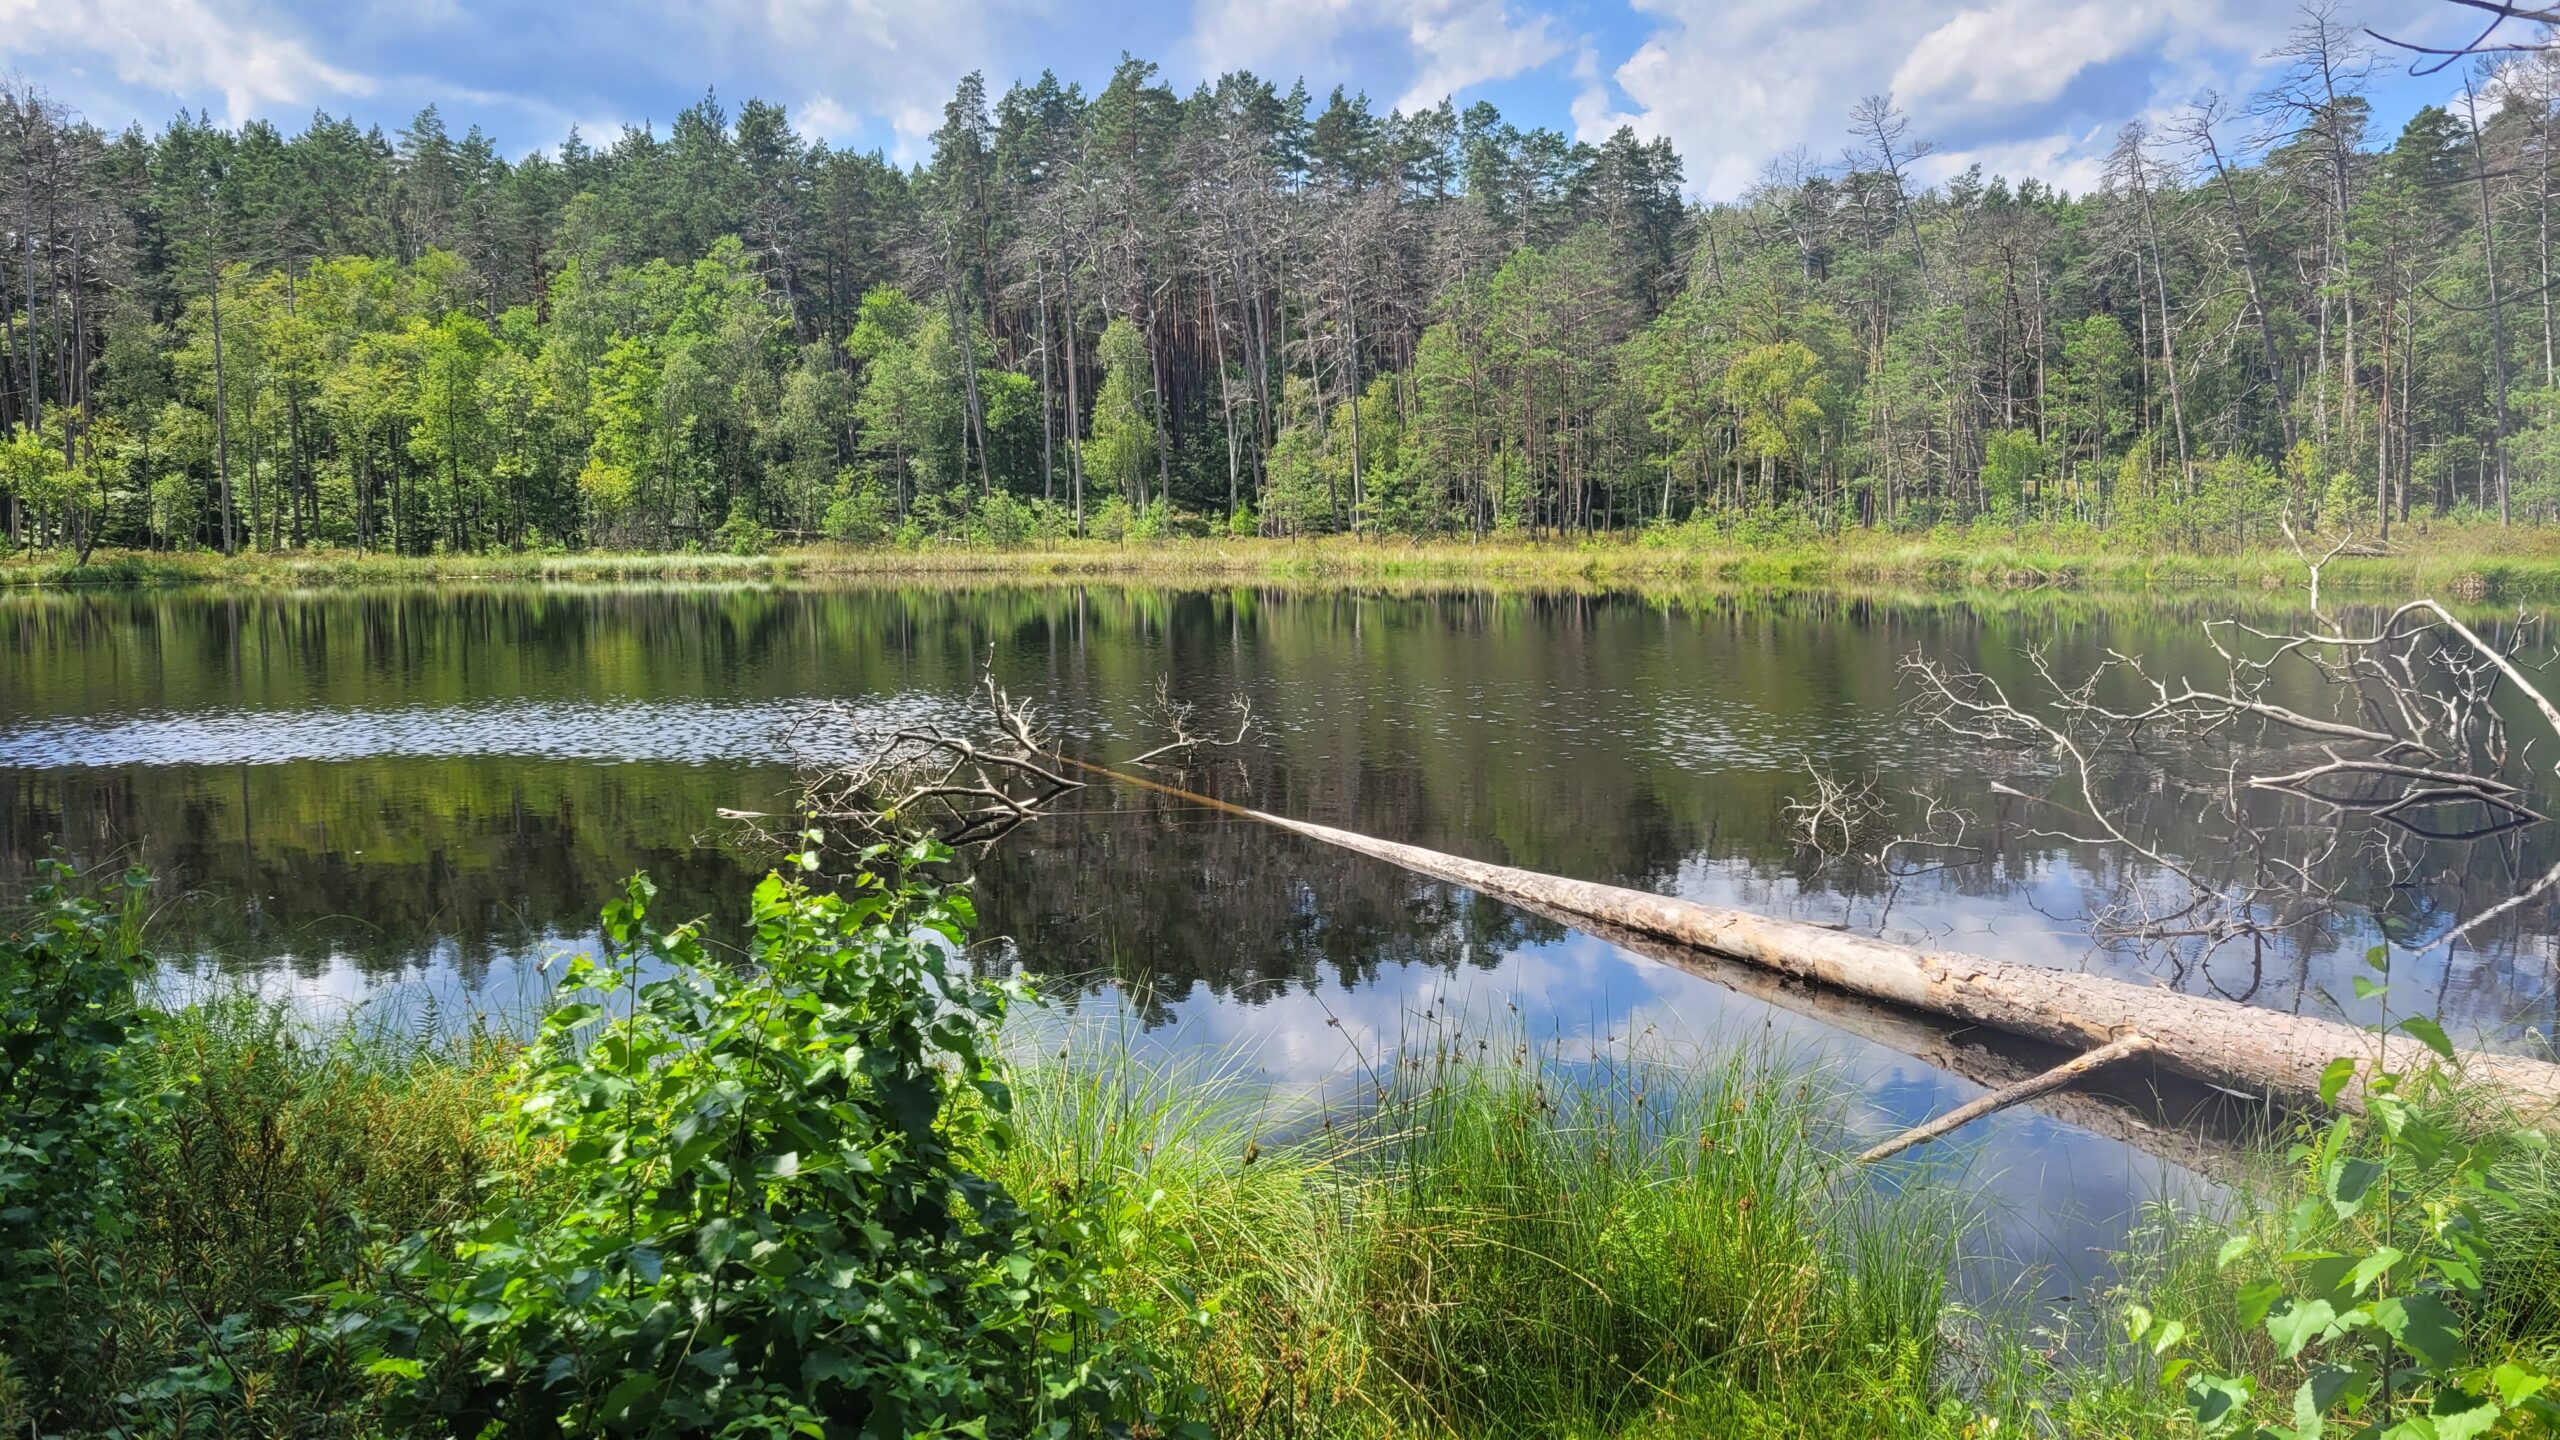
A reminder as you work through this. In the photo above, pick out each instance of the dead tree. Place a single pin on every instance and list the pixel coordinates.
(967, 787)
(2410, 742)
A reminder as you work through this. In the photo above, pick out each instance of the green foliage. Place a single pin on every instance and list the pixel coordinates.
(742, 533)
(1643, 1245)
(2374, 1291)
(757, 1221)
(2013, 468)
(1124, 429)
(863, 511)
(69, 1108)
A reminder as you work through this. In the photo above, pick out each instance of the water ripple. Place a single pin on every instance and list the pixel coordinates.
(677, 731)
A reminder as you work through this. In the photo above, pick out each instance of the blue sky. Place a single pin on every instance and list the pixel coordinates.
(2022, 86)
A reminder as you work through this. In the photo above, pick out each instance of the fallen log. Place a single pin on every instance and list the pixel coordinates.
(2172, 1117)
(2259, 1052)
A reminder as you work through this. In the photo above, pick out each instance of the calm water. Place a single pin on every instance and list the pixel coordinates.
(408, 799)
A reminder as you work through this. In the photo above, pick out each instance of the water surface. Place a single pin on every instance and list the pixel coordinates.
(408, 799)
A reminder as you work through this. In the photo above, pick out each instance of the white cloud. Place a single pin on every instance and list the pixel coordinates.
(825, 116)
(1453, 44)
(901, 60)
(2019, 51)
(1736, 84)
(1462, 43)
(179, 47)
(2076, 163)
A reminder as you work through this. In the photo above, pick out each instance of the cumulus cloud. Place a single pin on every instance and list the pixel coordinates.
(2021, 52)
(902, 60)
(1452, 44)
(1736, 84)
(183, 48)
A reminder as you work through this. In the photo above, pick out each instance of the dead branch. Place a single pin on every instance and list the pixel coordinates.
(1831, 820)
(1178, 718)
(967, 787)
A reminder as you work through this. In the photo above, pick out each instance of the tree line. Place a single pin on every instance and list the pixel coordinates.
(1137, 312)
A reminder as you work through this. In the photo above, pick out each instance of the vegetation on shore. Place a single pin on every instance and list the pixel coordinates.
(2472, 563)
(1103, 310)
(806, 1188)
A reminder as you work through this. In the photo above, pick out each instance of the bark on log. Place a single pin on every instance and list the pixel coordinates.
(2173, 1117)
(2261, 1052)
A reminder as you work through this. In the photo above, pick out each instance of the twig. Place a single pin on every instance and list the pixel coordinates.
(2001, 1099)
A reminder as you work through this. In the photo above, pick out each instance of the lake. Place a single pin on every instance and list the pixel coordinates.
(407, 800)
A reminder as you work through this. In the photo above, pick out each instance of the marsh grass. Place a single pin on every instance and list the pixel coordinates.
(274, 1155)
(1488, 1242)
(2456, 561)
(1472, 1237)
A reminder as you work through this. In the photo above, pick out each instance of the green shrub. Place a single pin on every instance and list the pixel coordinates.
(68, 1112)
(742, 533)
(1110, 520)
(864, 512)
(2390, 1298)
(756, 1221)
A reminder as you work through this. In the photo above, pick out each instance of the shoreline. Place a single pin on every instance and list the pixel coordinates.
(2469, 565)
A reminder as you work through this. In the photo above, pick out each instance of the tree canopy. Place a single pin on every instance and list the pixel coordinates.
(1137, 310)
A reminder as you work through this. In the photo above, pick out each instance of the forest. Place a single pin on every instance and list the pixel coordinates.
(1134, 313)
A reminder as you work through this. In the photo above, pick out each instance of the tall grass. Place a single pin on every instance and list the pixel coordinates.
(2453, 560)
(276, 1156)
(1493, 1244)
(1477, 1239)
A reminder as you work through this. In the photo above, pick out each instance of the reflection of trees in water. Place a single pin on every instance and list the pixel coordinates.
(1165, 899)
(382, 863)
(1633, 740)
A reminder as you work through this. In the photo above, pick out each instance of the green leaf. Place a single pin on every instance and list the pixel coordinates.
(2333, 1080)
(2429, 1033)
(619, 1400)
(2516, 1384)
(2425, 1327)
(2458, 1416)
(2301, 1323)
(2257, 1298)
(2379, 957)
(2320, 1394)
(2218, 1400)
(2232, 1249)
(2373, 1267)
(2366, 989)
(2350, 1182)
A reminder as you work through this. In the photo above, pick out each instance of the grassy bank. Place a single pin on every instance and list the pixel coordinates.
(2467, 562)
(820, 1192)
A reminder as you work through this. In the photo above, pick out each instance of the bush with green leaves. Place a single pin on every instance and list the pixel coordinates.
(2373, 1306)
(758, 1219)
(68, 1111)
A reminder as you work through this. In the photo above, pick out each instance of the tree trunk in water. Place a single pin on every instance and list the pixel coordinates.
(2264, 1052)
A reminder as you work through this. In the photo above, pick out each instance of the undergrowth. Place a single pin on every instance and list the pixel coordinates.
(809, 1188)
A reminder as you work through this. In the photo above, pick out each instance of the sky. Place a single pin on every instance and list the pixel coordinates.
(2022, 87)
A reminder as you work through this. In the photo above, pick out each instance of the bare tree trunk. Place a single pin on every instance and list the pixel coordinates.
(2259, 1051)
(1075, 407)
(1048, 405)
(2497, 311)
(221, 413)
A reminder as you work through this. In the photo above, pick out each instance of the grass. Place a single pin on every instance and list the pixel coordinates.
(1480, 1243)
(1491, 1246)
(2467, 561)
(279, 1156)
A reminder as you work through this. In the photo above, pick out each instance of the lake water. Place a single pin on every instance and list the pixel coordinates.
(409, 799)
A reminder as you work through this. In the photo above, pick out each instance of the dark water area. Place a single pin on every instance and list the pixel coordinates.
(407, 800)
